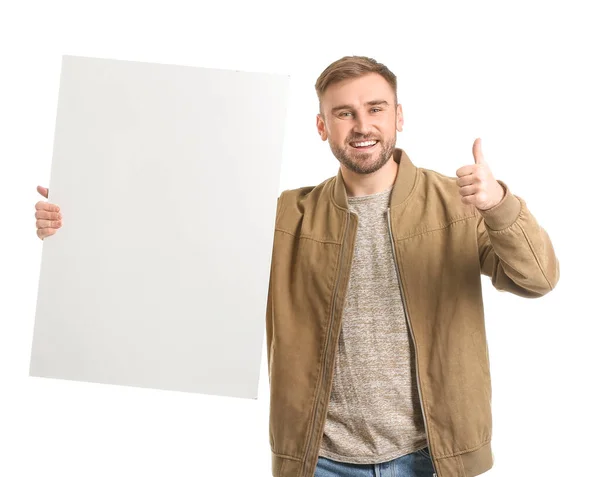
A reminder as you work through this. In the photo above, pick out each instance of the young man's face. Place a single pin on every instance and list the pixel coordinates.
(356, 111)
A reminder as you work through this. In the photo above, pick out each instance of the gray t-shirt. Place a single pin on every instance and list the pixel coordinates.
(374, 412)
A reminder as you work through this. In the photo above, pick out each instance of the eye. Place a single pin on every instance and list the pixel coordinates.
(344, 113)
(376, 109)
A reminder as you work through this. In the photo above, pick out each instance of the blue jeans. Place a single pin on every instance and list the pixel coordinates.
(417, 464)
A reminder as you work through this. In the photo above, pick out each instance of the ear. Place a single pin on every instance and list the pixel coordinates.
(399, 118)
(321, 127)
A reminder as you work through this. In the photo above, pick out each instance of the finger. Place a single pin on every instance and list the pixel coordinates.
(43, 224)
(44, 214)
(41, 205)
(468, 199)
(468, 190)
(477, 153)
(43, 190)
(43, 233)
(466, 170)
(467, 180)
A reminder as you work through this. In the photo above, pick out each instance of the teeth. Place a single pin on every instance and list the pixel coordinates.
(363, 144)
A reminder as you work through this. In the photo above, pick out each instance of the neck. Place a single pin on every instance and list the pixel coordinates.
(358, 185)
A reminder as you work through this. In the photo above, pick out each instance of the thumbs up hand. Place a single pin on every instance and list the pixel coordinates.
(476, 182)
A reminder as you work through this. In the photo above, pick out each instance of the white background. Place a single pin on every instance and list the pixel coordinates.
(520, 75)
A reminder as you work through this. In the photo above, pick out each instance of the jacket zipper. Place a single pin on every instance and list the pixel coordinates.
(411, 333)
(313, 438)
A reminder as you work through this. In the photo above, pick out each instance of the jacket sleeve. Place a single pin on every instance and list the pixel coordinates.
(270, 311)
(514, 250)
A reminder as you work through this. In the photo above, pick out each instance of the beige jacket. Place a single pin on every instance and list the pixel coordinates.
(441, 247)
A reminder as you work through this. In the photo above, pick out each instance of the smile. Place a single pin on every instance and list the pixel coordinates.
(363, 144)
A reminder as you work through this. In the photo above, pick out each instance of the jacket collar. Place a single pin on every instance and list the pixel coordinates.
(403, 185)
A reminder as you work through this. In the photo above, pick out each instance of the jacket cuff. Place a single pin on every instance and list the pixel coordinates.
(503, 214)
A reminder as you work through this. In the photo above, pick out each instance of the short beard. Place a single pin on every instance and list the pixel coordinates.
(357, 163)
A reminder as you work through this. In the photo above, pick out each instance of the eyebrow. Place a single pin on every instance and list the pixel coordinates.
(375, 102)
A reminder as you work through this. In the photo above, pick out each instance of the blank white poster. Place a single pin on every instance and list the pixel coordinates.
(167, 178)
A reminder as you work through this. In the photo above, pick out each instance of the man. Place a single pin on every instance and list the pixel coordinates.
(377, 353)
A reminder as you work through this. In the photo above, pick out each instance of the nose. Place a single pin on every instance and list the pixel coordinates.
(361, 125)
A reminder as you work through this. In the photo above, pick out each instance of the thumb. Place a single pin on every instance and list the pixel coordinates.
(43, 191)
(477, 154)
